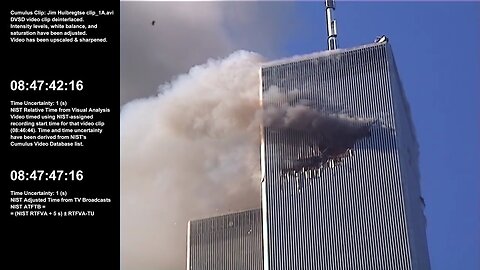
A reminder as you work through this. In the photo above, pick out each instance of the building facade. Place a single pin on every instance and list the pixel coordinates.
(340, 176)
(228, 242)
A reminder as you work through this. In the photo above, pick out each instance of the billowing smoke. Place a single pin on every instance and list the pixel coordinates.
(306, 119)
(340, 128)
(329, 136)
(190, 152)
(282, 112)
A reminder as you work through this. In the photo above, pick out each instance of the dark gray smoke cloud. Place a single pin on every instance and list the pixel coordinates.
(316, 138)
(328, 127)
(282, 112)
(306, 119)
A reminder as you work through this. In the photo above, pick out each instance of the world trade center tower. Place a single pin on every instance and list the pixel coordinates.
(340, 176)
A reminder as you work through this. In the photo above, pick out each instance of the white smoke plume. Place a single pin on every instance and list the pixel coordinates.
(190, 152)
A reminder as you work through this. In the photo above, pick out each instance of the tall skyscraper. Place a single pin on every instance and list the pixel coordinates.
(228, 242)
(340, 187)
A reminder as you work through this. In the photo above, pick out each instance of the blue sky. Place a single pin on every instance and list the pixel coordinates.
(436, 47)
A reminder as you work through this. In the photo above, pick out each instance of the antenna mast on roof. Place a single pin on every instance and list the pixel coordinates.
(331, 25)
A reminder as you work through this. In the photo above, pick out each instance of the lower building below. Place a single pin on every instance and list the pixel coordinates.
(232, 241)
